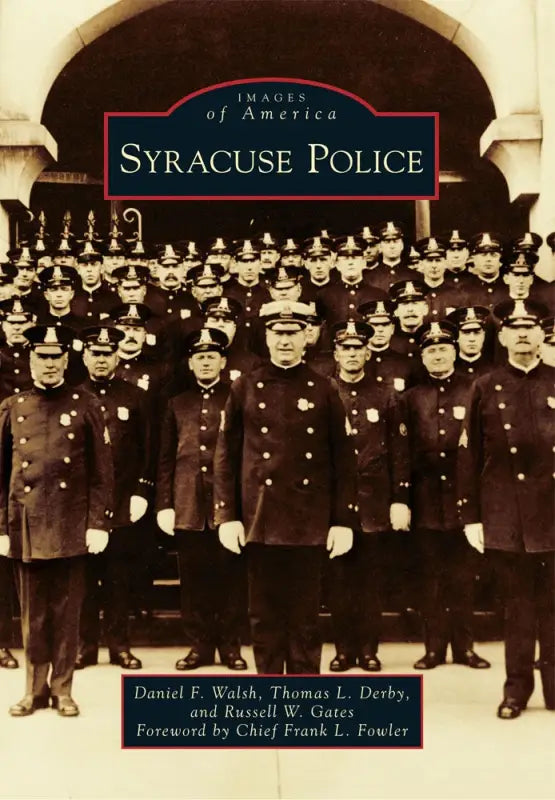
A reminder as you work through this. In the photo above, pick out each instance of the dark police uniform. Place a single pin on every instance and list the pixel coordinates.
(506, 483)
(55, 484)
(432, 416)
(123, 407)
(213, 589)
(382, 480)
(285, 466)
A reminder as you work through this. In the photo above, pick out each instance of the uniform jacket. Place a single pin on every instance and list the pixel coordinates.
(432, 415)
(473, 369)
(123, 407)
(382, 452)
(250, 297)
(56, 475)
(15, 372)
(506, 459)
(185, 465)
(392, 369)
(285, 463)
(94, 306)
(445, 298)
(340, 300)
(384, 275)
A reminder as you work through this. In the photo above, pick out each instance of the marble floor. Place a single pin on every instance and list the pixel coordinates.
(468, 753)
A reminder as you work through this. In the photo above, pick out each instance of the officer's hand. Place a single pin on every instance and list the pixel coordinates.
(4, 545)
(475, 535)
(97, 540)
(166, 520)
(232, 535)
(399, 516)
(340, 540)
(137, 507)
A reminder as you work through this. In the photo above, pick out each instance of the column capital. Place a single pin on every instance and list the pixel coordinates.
(26, 148)
(513, 144)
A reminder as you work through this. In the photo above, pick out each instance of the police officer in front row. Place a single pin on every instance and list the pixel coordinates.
(432, 414)
(383, 491)
(506, 483)
(285, 486)
(213, 590)
(123, 407)
(55, 491)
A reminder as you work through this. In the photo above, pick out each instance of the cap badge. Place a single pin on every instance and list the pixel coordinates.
(51, 336)
(103, 336)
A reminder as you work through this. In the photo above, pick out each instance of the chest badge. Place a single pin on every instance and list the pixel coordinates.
(123, 413)
(372, 415)
(65, 420)
(234, 374)
(399, 384)
(551, 402)
(459, 412)
(143, 383)
(302, 404)
(184, 313)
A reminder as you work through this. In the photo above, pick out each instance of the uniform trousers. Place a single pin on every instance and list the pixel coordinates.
(6, 601)
(50, 595)
(213, 593)
(354, 597)
(284, 605)
(111, 568)
(527, 582)
(447, 570)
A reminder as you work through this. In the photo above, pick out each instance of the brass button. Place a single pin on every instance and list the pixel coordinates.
(20, 419)
(24, 464)
(514, 450)
(264, 429)
(310, 430)
(23, 440)
(203, 447)
(521, 476)
(507, 426)
(67, 460)
(204, 469)
(268, 481)
(26, 489)
(305, 481)
(262, 405)
(63, 485)
(266, 455)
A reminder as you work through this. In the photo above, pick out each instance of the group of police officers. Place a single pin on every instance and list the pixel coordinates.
(264, 403)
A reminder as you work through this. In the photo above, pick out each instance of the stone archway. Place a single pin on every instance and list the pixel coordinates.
(511, 141)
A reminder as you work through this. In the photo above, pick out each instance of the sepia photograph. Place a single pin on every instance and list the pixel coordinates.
(272, 406)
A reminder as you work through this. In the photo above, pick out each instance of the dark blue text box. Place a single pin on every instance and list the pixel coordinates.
(260, 711)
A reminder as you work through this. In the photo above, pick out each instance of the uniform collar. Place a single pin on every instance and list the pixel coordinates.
(208, 388)
(526, 370)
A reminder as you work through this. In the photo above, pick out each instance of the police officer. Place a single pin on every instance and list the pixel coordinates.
(506, 495)
(485, 285)
(410, 312)
(382, 500)
(442, 297)
(55, 492)
(58, 284)
(285, 485)
(224, 313)
(392, 266)
(212, 579)
(432, 416)
(25, 281)
(471, 322)
(388, 366)
(124, 413)
(340, 299)
(456, 256)
(15, 372)
(318, 263)
(93, 299)
(247, 288)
